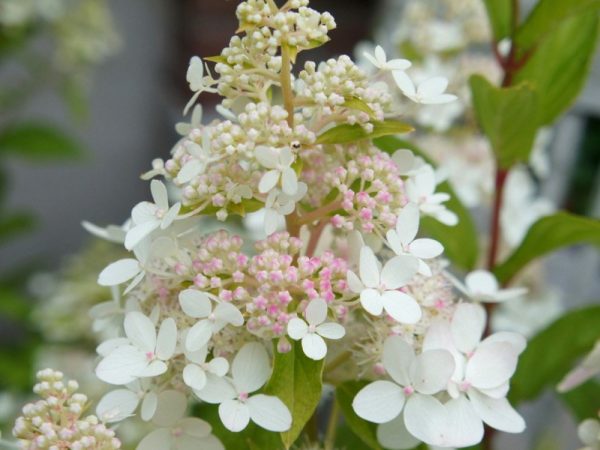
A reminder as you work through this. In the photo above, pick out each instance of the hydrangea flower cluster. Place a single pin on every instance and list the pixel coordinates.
(202, 318)
(56, 421)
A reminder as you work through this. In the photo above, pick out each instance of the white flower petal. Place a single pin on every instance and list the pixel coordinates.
(170, 216)
(171, 407)
(159, 439)
(405, 160)
(269, 412)
(481, 282)
(404, 83)
(380, 55)
(427, 419)
(121, 365)
(228, 313)
(407, 223)
(217, 390)
(432, 370)
(354, 282)
(117, 405)
(250, 367)
(438, 100)
(398, 64)
(369, 271)
(397, 359)
(297, 328)
(432, 87)
(331, 330)
(379, 402)
(371, 301)
(198, 335)
(588, 431)
(266, 156)
(394, 435)
(426, 248)
(467, 325)
(195, 303)
(497, 413)
(167, 339)
(491, 365)
(192, 426)
(119, 272)
(316, 311)
(398, 271)
(140, 331)
(394, 242)
(314, 346)
(189, 171)
(149, 405)
(194, 376)
(234, 414)
(153, 369)
(136, 234)
(518, 341)
(218, 366)
(268, 181)
(289, 181)
(402, 307)
(465, 426)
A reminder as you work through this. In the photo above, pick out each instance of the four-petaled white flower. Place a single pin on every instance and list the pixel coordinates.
(197, 304)
(408, 164)
(313, 332)
(378, 287)
(176, 431)
(147, 216)
(482, 286)
(415, 380)
(420, 189)
(278, 205)
(402, 240)
(195, 372)
(120, 404)
(250, 370)
(144, 354)
(483, 369)
(199, 158)
(279, 162)
(429, 92)
(379, 60)
(197, 81)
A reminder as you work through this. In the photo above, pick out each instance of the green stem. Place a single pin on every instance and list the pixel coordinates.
(332, 425)
(286, 83)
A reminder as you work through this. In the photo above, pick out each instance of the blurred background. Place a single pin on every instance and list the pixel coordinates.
(107, 82)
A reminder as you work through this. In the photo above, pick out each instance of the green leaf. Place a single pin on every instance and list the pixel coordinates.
(548, 16)
(560, 65)
(38, 142)
(552, 353)
(366, 431)
(296, 380)
(359, 105)
(343, 134)
(546, 235)
(15, 224)
(500, 13)
(460, 243)
(583, 401)
(507, 117)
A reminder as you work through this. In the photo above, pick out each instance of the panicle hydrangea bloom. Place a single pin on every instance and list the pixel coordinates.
(57, 421)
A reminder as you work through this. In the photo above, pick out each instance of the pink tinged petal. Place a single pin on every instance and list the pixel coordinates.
(289, 181)
(226, 312)
(189, 171)
(266, 156)
(394, 242)
(404, 83)
(577, 376)
(139, 232)
(159, 439)
(192, 426)
(194, 376)
(195, 303)
(250, 367)
(217, 390)
(316, 311)
(432, 87)
(159, 194)
(426, 248)
(407, 223)
(354, 282)
(198, 335)
(379, 402)
(149, 405)
(369, 271)
(432, 370)
(119, 272)
(121, 365)
(468, 323)
(491, 365)
(398, 271)
(117, 405)
(481, 282)
(496, 412)
(170, 216)
(140, 330)
(154, 369)
(464, 423)
(394, 435)
(268, 181)
(331, 330)
(371, 301)
(397, 358)
(269, 412)
(171, 408)
(402, 307)
(218, 366)
(167, 339)
(297, 328)
(314, 346)
(234, 414)
(515, 339)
